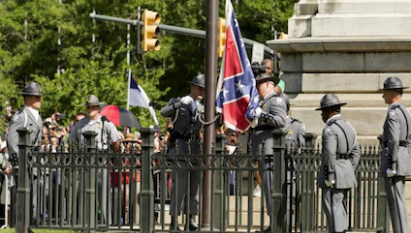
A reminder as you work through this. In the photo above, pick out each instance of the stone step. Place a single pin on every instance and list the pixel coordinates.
(299, 26)
(368, 6)
(346, 25)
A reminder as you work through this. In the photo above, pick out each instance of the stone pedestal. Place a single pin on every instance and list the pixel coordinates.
(347, 47)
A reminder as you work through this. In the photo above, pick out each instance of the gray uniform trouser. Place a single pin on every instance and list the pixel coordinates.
(267, 183)
(335, 209)
(395, 188)
(180, 188)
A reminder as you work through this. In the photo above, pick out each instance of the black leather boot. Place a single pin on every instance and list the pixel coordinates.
(174, 224)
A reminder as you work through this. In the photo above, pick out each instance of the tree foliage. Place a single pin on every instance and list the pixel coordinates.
(30, 49)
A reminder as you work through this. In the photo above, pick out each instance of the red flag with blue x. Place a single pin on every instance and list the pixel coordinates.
(237, 96)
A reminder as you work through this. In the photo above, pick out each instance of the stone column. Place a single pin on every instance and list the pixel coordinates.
(347, 47)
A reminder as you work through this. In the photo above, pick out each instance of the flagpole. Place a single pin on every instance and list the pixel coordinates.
(128, 65)
(210, 89)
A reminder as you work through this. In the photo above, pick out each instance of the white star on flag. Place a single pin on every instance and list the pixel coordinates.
(239, 85)
(225, 93)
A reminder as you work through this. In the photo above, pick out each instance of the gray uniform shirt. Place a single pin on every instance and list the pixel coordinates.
(396, 142)
(295, 131)
(109, 132)
(273, 117)
(340, 154)
(24, 118)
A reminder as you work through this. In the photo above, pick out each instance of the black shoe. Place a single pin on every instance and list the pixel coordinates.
(192, 226)
(266, 230)
(174, 225)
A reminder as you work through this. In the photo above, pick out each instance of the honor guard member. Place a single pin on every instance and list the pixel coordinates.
(106, 133)
(29, 118)
(184, 134)
(294, 139)
(295, 130)
(340, 157)
(270, 115)
(395, 155)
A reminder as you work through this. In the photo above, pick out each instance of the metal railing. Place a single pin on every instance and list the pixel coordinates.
(84, 188)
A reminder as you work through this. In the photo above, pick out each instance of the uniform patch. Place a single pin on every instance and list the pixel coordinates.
(290, 132)
(279, 100)
(15, 118)
(327, 131)
(392, 113)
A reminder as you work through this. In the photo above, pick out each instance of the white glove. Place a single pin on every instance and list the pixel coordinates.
(186, 100)
(391, 173)
(329, 183)
(254, 123)
(258, 112)
(230, 149)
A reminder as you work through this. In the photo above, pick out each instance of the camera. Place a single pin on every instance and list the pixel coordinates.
(61, 117)
(258, 68)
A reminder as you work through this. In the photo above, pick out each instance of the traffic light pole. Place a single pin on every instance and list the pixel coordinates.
(210, 90)
(174, 29)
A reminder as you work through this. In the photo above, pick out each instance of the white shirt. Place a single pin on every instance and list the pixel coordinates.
(35, 112)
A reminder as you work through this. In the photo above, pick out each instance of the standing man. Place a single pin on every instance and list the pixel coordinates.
(106, 133)
(340, 157)
(30, 118)
(294, 128)
(270, 115)
(269, 69)
(184, 137)
(294, 140)
(395, 155)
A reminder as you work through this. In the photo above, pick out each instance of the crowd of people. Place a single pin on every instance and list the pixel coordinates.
(340, 149)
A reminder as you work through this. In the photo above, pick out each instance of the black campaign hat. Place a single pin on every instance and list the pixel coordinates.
(198, 80)
(330, 100)
(32, 88)
(393, 83)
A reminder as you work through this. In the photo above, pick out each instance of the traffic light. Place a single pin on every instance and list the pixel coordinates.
(150, 31)
(221, 36)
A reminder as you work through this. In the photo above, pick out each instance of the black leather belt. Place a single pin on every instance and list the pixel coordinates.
(264, 127)
(343, 156)
(402, 143)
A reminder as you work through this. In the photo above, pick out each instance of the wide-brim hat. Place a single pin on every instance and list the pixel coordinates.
(393, 83)
(198, 80)
(92, 100)
(32, 89)
(264, 77)
(330, 100)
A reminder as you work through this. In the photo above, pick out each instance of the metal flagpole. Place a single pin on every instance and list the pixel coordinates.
(128, 65)
(210, 88)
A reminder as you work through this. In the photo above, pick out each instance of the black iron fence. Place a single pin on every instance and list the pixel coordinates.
(84, 188)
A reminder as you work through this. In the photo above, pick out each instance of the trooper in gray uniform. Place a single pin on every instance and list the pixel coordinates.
(395, 154)
(270, 115)
(30, 118)
(340, 157)
(106, 133)
(294, 140)
(184, 137)
(295, 129)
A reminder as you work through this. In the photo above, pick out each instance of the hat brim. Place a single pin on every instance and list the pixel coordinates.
(31, 94)
(394, 88)
(322, 108)
(193, 83)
